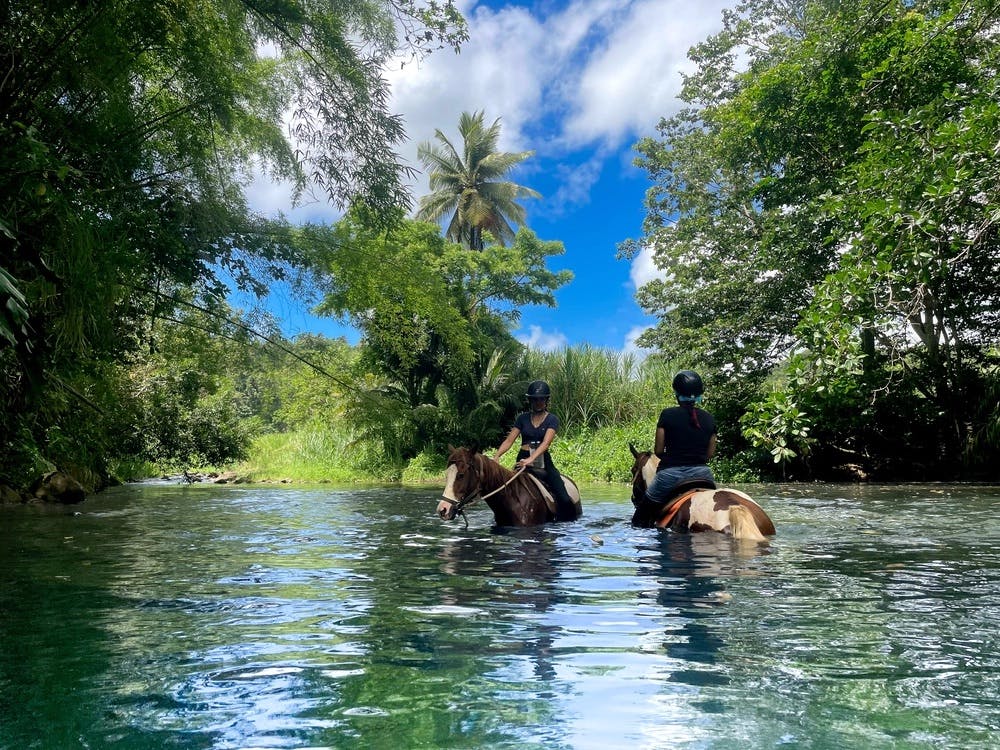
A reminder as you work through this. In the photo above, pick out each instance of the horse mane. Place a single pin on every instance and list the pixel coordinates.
(493, 475)
(493, 472)
(639, 460)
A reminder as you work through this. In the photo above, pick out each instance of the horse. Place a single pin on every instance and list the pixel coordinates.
(696, 505)
(517, 498)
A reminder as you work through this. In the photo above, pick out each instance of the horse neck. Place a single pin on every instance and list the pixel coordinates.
(639, 464)
(493, 475)
(512, 505)
(638, 480)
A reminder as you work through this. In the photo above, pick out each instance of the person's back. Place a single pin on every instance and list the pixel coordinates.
(685, 441)
(537, 429)
(688, 433)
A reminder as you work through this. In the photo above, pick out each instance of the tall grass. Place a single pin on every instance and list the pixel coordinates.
(594, 388)
(132, 469)
(604, 399)
(316, 454)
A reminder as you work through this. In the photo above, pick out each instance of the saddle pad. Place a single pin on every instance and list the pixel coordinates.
(668, 516)
(549, 500)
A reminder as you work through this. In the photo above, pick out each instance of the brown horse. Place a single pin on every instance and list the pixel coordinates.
(696, 506)
(516, 498)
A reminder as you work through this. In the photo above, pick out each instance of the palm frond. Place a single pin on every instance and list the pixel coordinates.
(436, 205)
(497, 164)
(481, 201)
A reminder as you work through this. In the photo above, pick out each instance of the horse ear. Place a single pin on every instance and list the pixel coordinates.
(474, 447)
(451, 449)
(635, 453)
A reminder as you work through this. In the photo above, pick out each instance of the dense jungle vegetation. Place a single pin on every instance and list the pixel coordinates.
(825, 208)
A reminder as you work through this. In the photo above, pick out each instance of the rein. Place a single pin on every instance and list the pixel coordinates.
(503, 486)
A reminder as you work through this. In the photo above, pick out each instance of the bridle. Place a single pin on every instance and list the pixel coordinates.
(475, 494)
(639, 466)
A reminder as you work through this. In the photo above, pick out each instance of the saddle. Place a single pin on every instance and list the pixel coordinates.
(550, 501)
(681, 494)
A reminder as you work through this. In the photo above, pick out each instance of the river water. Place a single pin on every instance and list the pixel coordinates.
(162, 616)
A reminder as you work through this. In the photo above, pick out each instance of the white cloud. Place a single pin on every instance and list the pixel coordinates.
(589, 75)
(644, 268)
(267, 196)
(270, 198)
(630, 342)
(593, 74)
(634, 78)
(541, 340)
(498, 71)
(575, 182)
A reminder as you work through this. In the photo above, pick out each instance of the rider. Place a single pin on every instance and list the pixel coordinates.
(685, 440)
(537, 429)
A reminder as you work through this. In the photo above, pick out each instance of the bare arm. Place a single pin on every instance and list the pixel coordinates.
(711, 447)
(661, 441)
(507, 442)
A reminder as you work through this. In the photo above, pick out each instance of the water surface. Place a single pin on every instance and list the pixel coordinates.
(270, 617)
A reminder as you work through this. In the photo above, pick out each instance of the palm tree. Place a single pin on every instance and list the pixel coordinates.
(470, 186)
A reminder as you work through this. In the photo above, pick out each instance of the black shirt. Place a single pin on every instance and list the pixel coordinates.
(685, 444)
(532, 434)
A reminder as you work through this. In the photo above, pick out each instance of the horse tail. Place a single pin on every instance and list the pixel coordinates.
(742, 525)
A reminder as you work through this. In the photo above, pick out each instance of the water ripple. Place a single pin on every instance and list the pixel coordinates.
(276, 617)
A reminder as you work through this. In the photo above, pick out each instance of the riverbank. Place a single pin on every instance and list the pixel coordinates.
(316, 456)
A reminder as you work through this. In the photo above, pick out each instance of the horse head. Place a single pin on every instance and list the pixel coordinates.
(643, 470)
(462, 481)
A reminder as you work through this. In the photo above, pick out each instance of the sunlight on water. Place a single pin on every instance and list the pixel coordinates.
(253, 617)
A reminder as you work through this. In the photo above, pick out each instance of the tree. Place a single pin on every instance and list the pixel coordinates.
(184, 394)
(828, 214)
(470, 186)
(431, 313)
(127, 130)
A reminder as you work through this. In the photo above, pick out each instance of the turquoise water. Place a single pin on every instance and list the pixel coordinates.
(260, 617)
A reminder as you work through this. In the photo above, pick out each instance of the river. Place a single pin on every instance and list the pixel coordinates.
(166, 616)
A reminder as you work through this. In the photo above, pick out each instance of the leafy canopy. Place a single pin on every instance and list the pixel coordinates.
(825, 209)
(128, 131)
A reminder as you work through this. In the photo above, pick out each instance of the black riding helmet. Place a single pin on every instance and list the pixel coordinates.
(539, 389)
(688, 383)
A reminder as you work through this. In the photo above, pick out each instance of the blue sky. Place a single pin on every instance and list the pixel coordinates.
(578, 83)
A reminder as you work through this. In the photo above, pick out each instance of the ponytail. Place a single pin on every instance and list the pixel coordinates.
(689, 402)
(692, 414)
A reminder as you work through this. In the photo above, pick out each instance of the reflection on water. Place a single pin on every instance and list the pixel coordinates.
(222, 617)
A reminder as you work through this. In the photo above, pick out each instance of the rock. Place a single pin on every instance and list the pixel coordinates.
(849, 473)
(58, 487)
(9, 496)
